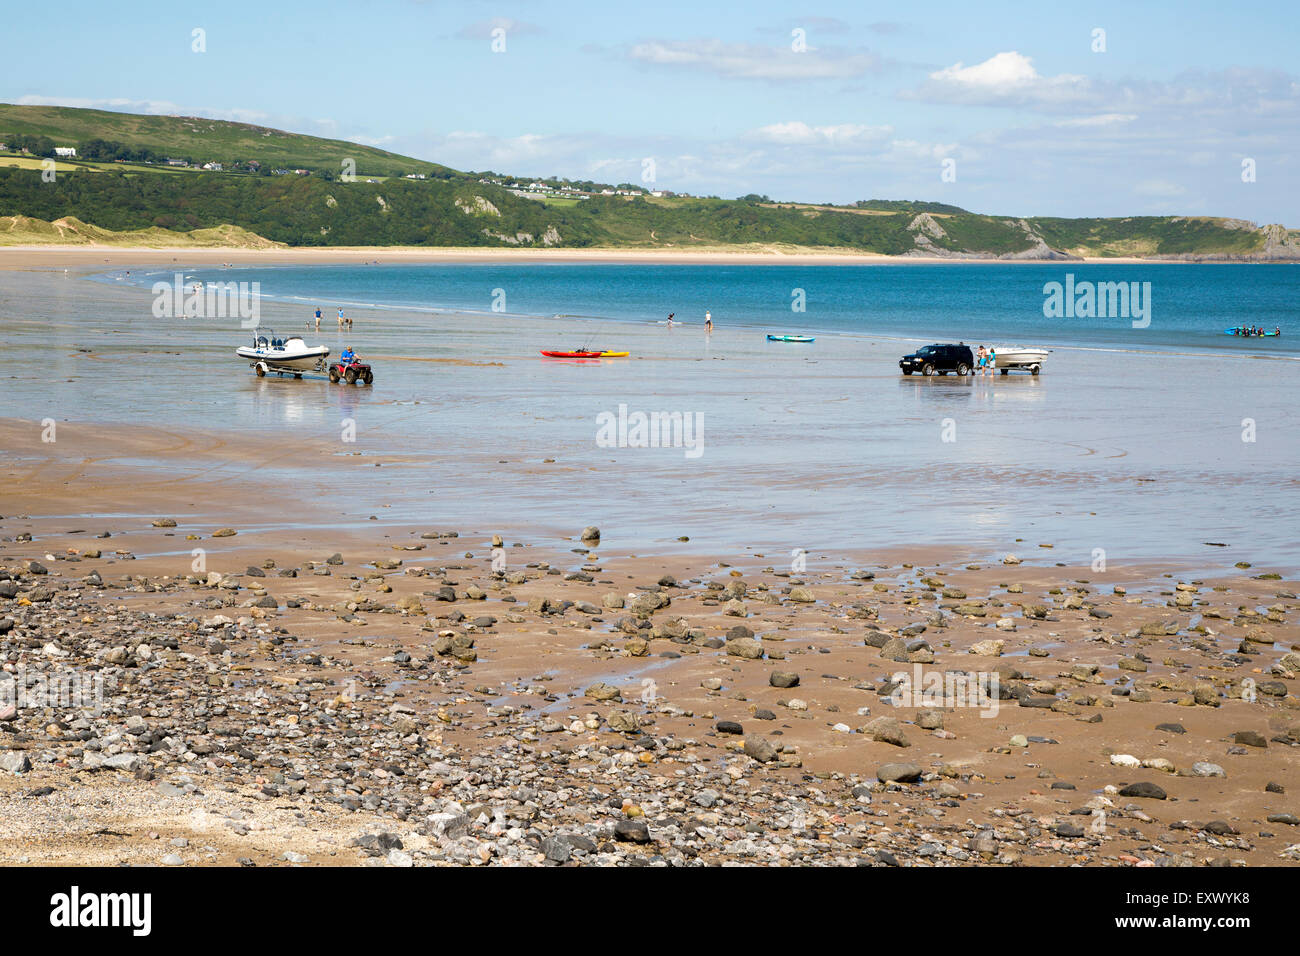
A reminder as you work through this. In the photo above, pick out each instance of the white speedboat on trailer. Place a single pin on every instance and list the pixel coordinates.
(290, 353)
(1009, 357)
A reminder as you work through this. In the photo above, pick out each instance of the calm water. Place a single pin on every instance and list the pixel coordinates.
(1130, 441)
(1191, 305)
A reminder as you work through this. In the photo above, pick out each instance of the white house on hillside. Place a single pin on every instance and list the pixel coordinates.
(65, 152)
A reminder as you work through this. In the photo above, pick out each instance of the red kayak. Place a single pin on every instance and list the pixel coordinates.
(584, 354)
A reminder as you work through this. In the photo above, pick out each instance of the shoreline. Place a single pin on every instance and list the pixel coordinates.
(18, 258)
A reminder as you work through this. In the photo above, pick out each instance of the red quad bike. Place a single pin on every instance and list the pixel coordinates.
(351, 372)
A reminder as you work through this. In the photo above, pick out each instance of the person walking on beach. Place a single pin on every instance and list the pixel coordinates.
(340, 318)
(318, 320)
(980, 355)
(670, 318)
(708, 321)
(990, 360)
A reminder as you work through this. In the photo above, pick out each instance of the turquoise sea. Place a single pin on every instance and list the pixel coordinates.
(1148, 443)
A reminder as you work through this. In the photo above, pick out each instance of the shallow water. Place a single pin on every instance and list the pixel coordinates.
(1132, 448)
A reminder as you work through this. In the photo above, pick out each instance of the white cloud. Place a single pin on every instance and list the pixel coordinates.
(1005, 79)
(748, 61)
(800, 133)
(1101, 119)
(1159, 189)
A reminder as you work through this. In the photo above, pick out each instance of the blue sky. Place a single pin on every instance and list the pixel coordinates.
(1035, 120)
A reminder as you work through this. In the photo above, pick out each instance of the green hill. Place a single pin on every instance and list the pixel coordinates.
(122, 189)
(206, 140)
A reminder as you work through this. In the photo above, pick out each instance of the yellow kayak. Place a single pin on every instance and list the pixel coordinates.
(613, 355)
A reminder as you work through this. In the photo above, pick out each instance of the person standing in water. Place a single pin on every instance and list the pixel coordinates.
(340, 318)
(708, 321)
(670, 317)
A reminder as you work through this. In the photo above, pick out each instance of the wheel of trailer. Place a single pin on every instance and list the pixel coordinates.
(1004, 371)
(963, 368)
(350, 376)
(297, 374)
(260, 369)
(368, 377)
(927, 369)
(334, 375)
(1035, 369)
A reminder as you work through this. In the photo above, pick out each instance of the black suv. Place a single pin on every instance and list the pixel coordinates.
(938, 360)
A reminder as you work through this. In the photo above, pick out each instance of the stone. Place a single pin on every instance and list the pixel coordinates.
(886, 730)
(556, 849)
(783, 679)
(746, 648)
(898, 773)
(635, 830)
(14, 761)
(988, 648)
(623, 722)
(590, 533)
(930, 719)
(760, 748)
(1145, 790)
(602, 691)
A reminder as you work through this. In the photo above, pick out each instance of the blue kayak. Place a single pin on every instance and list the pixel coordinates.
(791, 338)
(1237, 332)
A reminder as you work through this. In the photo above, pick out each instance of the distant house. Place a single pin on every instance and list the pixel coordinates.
(177, 162)
(215, 167)
(65, 152)
(279, 172)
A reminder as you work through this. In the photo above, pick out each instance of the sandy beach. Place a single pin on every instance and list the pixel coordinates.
(426, 696)
(112, 257)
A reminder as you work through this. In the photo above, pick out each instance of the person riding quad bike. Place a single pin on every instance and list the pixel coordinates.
(350, 369)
